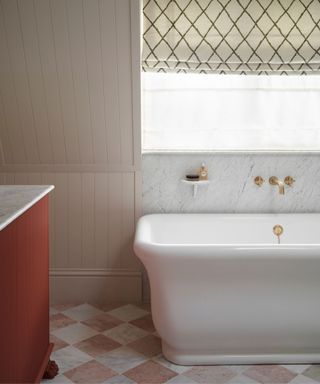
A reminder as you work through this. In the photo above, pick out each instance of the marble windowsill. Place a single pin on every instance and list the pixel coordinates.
(16, 199)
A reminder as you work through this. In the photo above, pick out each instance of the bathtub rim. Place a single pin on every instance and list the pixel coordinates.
(143, 235)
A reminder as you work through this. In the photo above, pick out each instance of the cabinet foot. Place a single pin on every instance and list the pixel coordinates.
(51, 370)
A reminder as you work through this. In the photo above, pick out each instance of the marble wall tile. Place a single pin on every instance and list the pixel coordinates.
(231, 187)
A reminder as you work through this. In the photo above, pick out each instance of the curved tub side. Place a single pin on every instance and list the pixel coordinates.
(212, 309)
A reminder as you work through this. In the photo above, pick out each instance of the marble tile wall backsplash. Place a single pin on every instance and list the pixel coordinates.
(231, 187)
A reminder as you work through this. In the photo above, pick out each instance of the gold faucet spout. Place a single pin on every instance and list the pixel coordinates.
(274, 180)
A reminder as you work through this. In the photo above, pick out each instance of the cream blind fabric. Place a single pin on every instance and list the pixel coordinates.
(232, 36)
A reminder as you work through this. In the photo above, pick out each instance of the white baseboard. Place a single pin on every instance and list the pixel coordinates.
(95, 285)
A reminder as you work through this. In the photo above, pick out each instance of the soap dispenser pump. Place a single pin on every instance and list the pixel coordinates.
(203, 173)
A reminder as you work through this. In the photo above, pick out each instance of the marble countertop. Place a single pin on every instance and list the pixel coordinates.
(16, 199)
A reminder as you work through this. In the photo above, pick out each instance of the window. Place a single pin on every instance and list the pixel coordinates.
(274, 45)
(206, 112)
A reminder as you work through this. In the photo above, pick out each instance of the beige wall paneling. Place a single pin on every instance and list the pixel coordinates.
(101, 210)
(87, 220)
(114, 219)
(2, 178)
(80, 77)
(50, 78)
(75, 220)
(61, 220)
(124, 60)
(65, 78)
(21, 178)
(109, 46)
(136, 100)
(3, 129)
(47, 179)
(10, 178)
(24, 138)
(11, 136)
(127, 259)
(69, 116)
(34, 73)
(95, 78)
(135, 10)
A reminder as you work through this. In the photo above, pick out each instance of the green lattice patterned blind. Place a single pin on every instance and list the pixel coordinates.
(232, 36)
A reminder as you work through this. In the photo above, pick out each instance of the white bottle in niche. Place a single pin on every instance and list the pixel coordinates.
(203, 173)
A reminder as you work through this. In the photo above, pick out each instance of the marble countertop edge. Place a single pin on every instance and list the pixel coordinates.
(16, 199)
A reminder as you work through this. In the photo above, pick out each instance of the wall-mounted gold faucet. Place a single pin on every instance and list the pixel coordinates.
(274, 180)
(288, 180)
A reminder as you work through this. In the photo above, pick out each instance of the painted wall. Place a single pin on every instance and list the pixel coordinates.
(231, 187)
(68, 73)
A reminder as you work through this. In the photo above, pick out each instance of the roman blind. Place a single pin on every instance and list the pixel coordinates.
(232, 36)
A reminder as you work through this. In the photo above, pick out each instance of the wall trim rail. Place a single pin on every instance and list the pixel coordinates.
(67, 168)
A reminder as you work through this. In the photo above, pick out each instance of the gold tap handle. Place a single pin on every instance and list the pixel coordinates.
(288, 180)
(258, 181)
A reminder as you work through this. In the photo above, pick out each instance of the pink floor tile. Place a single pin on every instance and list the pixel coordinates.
(125, 333)
(145, 323)
(59, 320)
(90, 372)
(102, 322)
(57, 343)
(150, 373)
(210, 374)
(97, 345)
(270, 374)
(148, 346)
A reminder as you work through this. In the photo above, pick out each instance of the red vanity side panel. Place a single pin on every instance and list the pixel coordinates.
(24, 296)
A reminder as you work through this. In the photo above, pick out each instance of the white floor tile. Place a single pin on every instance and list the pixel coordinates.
(180, 379)
(128, 312)
(119, 380)
(74, 333)
(82, 312)
(121, 359)
(68, 358)
(296, 368)
(300, 379)
(242, 379)
(125, 333)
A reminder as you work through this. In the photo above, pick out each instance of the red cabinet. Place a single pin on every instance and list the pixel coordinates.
(24, 297)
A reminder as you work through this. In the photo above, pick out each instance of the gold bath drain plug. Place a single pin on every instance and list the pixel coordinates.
(278, 231)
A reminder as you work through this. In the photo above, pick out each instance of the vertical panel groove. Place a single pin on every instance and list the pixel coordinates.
(28, 84)
(15, 140)
(3, 129)
(58, 83)
(72, 76)
(102, 71)
(42, 79)
(118, 75)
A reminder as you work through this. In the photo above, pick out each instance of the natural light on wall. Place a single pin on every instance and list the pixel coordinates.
(207, 112)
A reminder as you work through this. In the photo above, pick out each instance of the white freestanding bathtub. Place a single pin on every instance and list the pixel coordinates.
(224, 292)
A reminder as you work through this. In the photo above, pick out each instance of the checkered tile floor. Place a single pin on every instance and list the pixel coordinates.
(118, 344)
